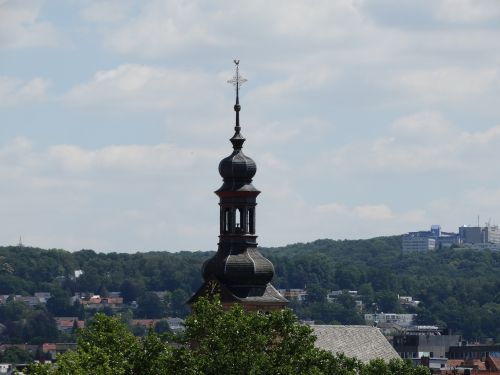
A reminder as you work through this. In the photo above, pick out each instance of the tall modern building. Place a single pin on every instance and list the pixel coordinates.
(238, 272)
(477, 235)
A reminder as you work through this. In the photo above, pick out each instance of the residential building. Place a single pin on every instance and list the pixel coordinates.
(53, 349)
(6, 369)
(490, 366)
(112, 300)
(176, 324)
(294, 294)
(40, 298)
(334, 294)
(424, 341)
(43, 296)
(66, 324)
(403, 320)
(408, 301)
(145, 323)
(465, 352)
(96, 302)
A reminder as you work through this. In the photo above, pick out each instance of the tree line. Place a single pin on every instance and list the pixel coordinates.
(459, 289)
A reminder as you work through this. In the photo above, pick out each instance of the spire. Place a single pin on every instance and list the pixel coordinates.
(237, 140)
(238, 271)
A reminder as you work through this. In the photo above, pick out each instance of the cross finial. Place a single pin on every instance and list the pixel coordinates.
(237, 80)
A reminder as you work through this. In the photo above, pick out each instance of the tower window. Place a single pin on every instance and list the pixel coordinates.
(226, 220)
(238, 219)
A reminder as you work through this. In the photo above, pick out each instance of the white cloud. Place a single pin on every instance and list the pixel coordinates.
(447, 84)
(162, 28)
(468, 11)
(374, 212)
(143, 87)
(363, 212)
(484, 198)
(165, 28)
(147, 195)
(21, 26)
(423, 124)
(107, 11)
(14, 91)
(424, 141)
(133, 158)
(480, 138)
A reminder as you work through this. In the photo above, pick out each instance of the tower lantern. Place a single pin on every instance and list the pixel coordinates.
(238, 271)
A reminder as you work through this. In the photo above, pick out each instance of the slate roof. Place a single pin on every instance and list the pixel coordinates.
(267, 295)
(363, 342)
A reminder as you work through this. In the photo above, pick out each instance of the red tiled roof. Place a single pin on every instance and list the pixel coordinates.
(69, 322)
(145, 322)
(480, 365)
(115, 300)
(454, 362)
(494, 363)
(48, 346)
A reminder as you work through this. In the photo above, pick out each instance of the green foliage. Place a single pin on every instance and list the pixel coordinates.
(250, 343)
(59, 304)
(16, 355)
(26, 325)
(216, 342)
(394, 367)
(150, 306)
(459, 288)
(162, 327)
(107, 347)
(387, 301)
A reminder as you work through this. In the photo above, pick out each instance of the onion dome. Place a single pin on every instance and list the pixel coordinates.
(237, 166)
(246, 268)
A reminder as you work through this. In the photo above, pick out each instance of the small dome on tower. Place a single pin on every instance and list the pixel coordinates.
(237, 166)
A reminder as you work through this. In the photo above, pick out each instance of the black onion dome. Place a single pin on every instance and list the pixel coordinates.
(237, 166)
(244, 268)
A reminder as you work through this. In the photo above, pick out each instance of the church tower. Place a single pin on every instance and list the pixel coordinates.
(238, 271)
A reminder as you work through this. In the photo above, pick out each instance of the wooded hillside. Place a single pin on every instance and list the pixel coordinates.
(458, 288)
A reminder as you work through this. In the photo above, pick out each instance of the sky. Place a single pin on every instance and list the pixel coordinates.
(365, 118)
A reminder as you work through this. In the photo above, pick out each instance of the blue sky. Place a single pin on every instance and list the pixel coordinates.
(365, 118)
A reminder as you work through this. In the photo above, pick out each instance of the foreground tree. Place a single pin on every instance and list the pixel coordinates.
(215, 342)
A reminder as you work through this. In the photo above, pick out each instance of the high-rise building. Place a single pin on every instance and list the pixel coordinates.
(479, 235)
(238, 272)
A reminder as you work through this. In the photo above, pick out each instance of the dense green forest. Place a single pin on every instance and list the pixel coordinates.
(459, 289)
